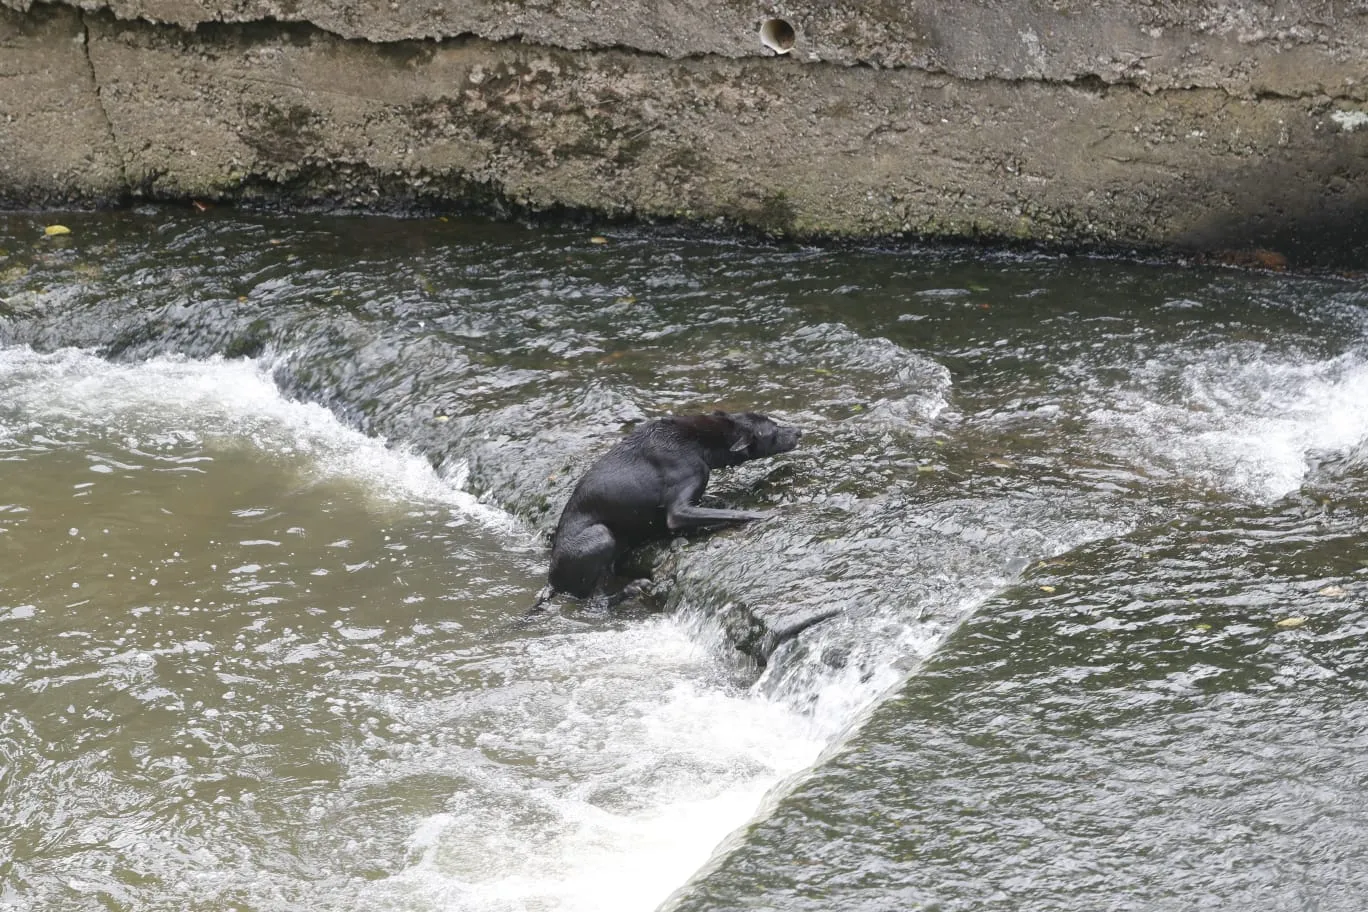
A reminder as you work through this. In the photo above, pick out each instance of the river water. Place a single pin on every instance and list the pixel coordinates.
(274, 493)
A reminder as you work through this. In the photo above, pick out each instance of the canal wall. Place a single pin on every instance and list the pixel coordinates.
(1211, 126)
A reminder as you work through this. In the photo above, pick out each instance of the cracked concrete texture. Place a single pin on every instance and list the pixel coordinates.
(1243, 46)
(296, 112)
(56, 143)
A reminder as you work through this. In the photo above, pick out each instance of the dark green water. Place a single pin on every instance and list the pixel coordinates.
(272, 499)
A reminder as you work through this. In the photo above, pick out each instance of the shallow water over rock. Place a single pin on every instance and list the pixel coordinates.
(273, 498)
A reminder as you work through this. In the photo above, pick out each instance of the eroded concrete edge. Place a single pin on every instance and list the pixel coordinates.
(1242, 46)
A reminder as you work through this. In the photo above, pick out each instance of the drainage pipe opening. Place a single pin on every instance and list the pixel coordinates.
(777, 35)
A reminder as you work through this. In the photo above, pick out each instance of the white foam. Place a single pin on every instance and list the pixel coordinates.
(599, 781)
(171, 399)
(1238, 418)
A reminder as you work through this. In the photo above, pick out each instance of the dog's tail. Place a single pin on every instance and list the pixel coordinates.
(776, 638)
(543, 597)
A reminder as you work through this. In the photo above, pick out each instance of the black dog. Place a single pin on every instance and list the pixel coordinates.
(648, 487)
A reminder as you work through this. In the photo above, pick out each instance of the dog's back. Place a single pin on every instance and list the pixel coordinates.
(625, 488)
(647, 486)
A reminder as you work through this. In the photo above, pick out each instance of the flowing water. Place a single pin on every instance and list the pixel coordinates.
(274, 495)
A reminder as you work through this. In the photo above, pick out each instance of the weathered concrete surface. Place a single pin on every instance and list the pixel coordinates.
(1206, 125)
(1284, 47)
(55, 142)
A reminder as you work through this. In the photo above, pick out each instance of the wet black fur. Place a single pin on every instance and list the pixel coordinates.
(648, 486)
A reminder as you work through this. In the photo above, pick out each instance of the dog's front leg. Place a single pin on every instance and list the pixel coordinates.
(683, 516)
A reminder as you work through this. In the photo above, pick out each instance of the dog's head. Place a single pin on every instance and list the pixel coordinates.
(754, 436)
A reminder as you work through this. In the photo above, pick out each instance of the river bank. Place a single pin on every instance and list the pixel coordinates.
(1225, 128)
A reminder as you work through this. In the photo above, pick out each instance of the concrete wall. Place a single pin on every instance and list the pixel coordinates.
(1204, 125)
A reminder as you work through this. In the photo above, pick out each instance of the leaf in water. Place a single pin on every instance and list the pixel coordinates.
(1290, 622)
(1201, 627)
(598, 239)
(55, 230)
(1047, 588)
(1332, 591)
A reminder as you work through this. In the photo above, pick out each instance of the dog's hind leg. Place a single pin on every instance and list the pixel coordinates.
(583, 561)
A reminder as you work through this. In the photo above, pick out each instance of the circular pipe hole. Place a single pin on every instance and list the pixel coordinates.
(778, 35)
